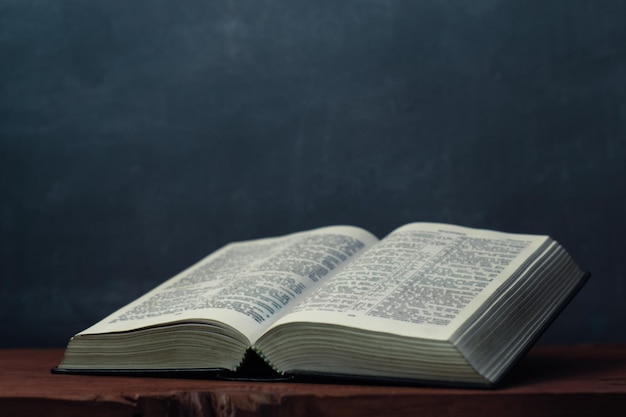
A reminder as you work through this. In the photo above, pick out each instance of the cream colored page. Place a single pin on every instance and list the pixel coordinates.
(422, 280)
(247, 285)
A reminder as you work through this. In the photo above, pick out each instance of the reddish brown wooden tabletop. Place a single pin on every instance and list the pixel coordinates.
(568, 380)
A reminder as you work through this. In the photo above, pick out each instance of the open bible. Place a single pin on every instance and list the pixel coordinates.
(430, 302)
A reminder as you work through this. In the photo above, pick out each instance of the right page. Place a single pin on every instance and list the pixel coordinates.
(422, 280)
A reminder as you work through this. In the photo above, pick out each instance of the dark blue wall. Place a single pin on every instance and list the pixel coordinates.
(138, 136)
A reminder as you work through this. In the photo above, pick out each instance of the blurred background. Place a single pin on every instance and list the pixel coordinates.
(138, 136)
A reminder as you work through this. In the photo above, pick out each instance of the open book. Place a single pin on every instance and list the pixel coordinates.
(429, 303)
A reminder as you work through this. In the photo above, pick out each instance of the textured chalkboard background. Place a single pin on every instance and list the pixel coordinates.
(138, 136)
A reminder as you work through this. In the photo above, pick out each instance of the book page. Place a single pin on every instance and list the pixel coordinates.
(421, 280)
(246, 285)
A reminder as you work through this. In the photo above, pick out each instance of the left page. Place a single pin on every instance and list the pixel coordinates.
(246, 285)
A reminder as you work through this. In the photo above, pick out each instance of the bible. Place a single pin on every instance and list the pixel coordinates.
(429, 303)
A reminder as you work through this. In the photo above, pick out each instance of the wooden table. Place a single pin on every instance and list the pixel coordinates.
(568, 380)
